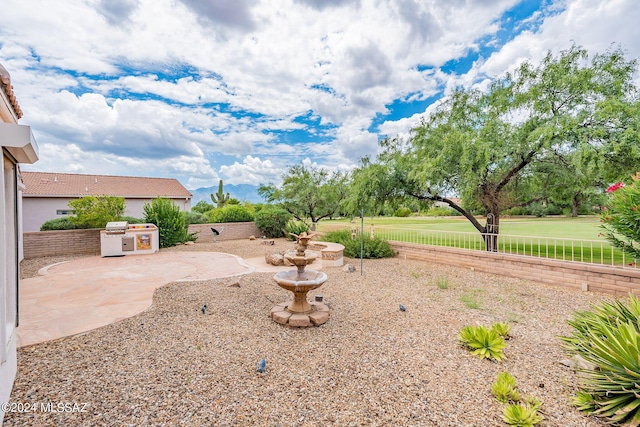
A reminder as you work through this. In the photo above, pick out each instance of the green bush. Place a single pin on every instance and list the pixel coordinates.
(202, 207)
(621, 217)
(402, 212)
(295, 227)
(196, 218)
(373, 249)
(608, 337)
(230, 213)
(97, 211)
(170, 220)
(64, 223)
(132, 220)
(272, 220)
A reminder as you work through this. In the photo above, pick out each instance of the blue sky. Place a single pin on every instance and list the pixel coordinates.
(239, 89)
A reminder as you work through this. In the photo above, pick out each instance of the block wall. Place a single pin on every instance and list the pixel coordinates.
(231, 231)
(87, 242)
(574, 275)
(63, 242)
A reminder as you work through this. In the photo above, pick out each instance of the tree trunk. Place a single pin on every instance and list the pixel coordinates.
(576, 205)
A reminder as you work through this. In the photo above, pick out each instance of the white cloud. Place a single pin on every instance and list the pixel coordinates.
(127, 83)
(254, 171)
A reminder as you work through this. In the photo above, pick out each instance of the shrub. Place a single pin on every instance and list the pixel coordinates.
(132, 220)
(96, 211)
(272, 220)
(170, 220)
(202, 207)
(196, 218)
(231, 213)
(373, 249)
(483, 342)
(608, 337)
(295, 227)
(402, 212)
(64, 223)
(621, 218)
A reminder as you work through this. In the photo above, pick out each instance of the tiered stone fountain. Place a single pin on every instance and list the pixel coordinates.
(300, 313)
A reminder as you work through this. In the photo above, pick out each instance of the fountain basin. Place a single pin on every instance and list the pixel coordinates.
(293, 281)
(299, 312)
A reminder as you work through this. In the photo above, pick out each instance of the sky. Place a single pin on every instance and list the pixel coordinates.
(239, 90)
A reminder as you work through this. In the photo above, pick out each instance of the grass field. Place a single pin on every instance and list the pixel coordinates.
(586, 228)
(570, 239)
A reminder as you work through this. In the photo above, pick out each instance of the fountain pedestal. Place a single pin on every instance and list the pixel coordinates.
(300, 312)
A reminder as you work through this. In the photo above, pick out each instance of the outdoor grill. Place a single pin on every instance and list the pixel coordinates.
(116, 227)
(121, 238)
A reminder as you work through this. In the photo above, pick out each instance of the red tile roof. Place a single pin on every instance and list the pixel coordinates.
(5, 85)
(49, 184)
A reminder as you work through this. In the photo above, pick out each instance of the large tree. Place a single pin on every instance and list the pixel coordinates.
(308, 193)
(482, 146)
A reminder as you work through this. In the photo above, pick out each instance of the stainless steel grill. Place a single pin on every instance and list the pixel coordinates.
(116, 227)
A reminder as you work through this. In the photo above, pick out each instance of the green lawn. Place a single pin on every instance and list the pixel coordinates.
(571, 239)
(586, 228)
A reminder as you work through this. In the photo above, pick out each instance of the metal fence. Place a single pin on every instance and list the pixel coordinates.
(575, 250)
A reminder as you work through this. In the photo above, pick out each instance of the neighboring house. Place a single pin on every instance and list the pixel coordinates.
(18, 146)
(46, 195)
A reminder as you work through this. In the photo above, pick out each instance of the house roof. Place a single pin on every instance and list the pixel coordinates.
(49, 184)
(5, 85)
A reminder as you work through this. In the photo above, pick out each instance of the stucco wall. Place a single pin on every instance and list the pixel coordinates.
(37, 210)
(574, 275)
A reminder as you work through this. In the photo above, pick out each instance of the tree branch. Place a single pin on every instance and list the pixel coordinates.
(454, 206)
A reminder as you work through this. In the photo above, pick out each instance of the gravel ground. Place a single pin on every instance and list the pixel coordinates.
(369, 365)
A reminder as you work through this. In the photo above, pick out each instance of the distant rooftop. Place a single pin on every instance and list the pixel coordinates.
(49, 184)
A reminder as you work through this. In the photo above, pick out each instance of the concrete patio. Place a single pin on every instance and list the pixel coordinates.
(80, 295)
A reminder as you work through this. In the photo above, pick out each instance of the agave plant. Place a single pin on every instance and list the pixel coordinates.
(502, 329)
(532, 402)
(467, 334)
(483, 342)
(608, 337)
(504, 389)
(521, 415)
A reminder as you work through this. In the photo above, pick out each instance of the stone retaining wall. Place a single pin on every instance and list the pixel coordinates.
(574, 275)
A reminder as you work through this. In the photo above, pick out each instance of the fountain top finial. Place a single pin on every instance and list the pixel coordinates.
(303, 236)
(302, 241)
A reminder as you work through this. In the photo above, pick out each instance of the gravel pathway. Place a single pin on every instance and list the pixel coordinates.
(369, 365)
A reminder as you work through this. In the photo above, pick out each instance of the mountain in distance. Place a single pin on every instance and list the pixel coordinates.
(242, 192)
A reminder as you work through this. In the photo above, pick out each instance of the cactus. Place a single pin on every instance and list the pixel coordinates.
(220, 199)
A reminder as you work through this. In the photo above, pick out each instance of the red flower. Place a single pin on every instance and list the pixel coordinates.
(614, 187)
